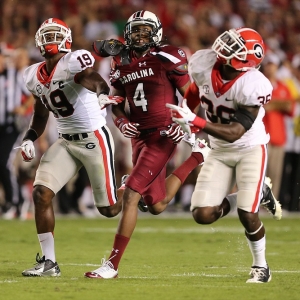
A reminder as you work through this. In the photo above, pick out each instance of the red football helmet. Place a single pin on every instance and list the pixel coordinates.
(53, 36)
(241, 48)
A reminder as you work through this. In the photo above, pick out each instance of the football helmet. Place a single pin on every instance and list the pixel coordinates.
(53, 36)
(242, 48)
(143, 17)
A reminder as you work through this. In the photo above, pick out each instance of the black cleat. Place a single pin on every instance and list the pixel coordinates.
(269, 202)
(259, 275)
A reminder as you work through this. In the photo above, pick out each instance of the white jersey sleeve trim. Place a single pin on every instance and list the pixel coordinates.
(170, 57)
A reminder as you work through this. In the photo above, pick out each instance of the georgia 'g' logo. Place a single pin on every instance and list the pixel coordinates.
(90, 146)
(258, 51)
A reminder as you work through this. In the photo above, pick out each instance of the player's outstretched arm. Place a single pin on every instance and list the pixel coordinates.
(36, 128)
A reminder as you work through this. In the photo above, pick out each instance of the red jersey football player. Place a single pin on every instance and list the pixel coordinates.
(148, 75)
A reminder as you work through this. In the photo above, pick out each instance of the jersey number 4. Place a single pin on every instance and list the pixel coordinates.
(139, 98)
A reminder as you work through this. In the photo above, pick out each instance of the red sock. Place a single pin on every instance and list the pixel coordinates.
(188, 166)
(119, 247)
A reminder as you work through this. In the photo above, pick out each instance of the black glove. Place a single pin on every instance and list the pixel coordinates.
(105, 48)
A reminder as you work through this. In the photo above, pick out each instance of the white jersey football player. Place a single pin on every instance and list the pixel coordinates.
(67, 85)
(231, 89)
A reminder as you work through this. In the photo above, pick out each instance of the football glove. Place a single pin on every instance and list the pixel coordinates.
(127, 128)
(185, 117)
(175, 133)
(27, 150)
(105, 48)
(105, 100)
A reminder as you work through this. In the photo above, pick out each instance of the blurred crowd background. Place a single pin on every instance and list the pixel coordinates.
(189, 24)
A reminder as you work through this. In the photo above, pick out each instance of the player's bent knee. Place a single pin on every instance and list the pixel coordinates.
(108, 211)
(205, 215)
(154, 210)
(42, 195)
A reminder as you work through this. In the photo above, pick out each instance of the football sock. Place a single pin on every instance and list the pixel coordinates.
(258, 249)
(119, 247)
(188, 166)
(47, 245)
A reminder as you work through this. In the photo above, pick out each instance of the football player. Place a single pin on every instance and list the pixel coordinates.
(148, 75)
(66, 85)
(231, 89)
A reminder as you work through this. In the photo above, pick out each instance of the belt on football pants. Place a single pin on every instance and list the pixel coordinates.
(146, 131)
(150, 130)
(74, 137)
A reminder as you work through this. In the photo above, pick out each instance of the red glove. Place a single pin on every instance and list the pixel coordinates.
(128, 129)
(175, 133)
(105, 100)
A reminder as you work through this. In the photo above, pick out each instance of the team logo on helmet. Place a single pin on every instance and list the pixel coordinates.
(181, 53)
(259, 51)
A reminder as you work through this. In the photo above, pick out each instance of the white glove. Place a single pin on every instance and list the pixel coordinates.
(175, 133)
(27, 150)
(182, 116)
(105, 100)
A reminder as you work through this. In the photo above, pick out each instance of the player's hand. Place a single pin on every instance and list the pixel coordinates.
(128, 129)
(182, 116)
(105, 100)
(175, 133)
(27, 150)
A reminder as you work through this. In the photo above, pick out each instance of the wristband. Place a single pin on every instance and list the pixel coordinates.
(120, 121)
(199, 122)
(31, 134)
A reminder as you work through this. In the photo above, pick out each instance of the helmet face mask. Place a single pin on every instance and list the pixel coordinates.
(145, 18)
(53, 36)
(242, 49)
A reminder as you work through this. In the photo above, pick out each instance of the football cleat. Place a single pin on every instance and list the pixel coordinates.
(259, 275)
(43, 267)
(141, 205)
(269, 202)
(106, 271)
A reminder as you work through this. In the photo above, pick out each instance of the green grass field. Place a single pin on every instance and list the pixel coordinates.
(167, 258)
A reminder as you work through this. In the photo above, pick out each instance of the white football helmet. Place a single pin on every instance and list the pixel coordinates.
(241, 48)
(53, 36)
(144, 17)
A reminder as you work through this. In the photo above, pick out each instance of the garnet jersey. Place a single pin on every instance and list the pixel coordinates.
(221, 99)
(75, 108)
(150, 82)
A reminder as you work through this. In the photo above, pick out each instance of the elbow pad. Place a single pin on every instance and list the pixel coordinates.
(244, 117)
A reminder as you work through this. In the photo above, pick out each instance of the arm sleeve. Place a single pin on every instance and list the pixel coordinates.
(192, 96)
